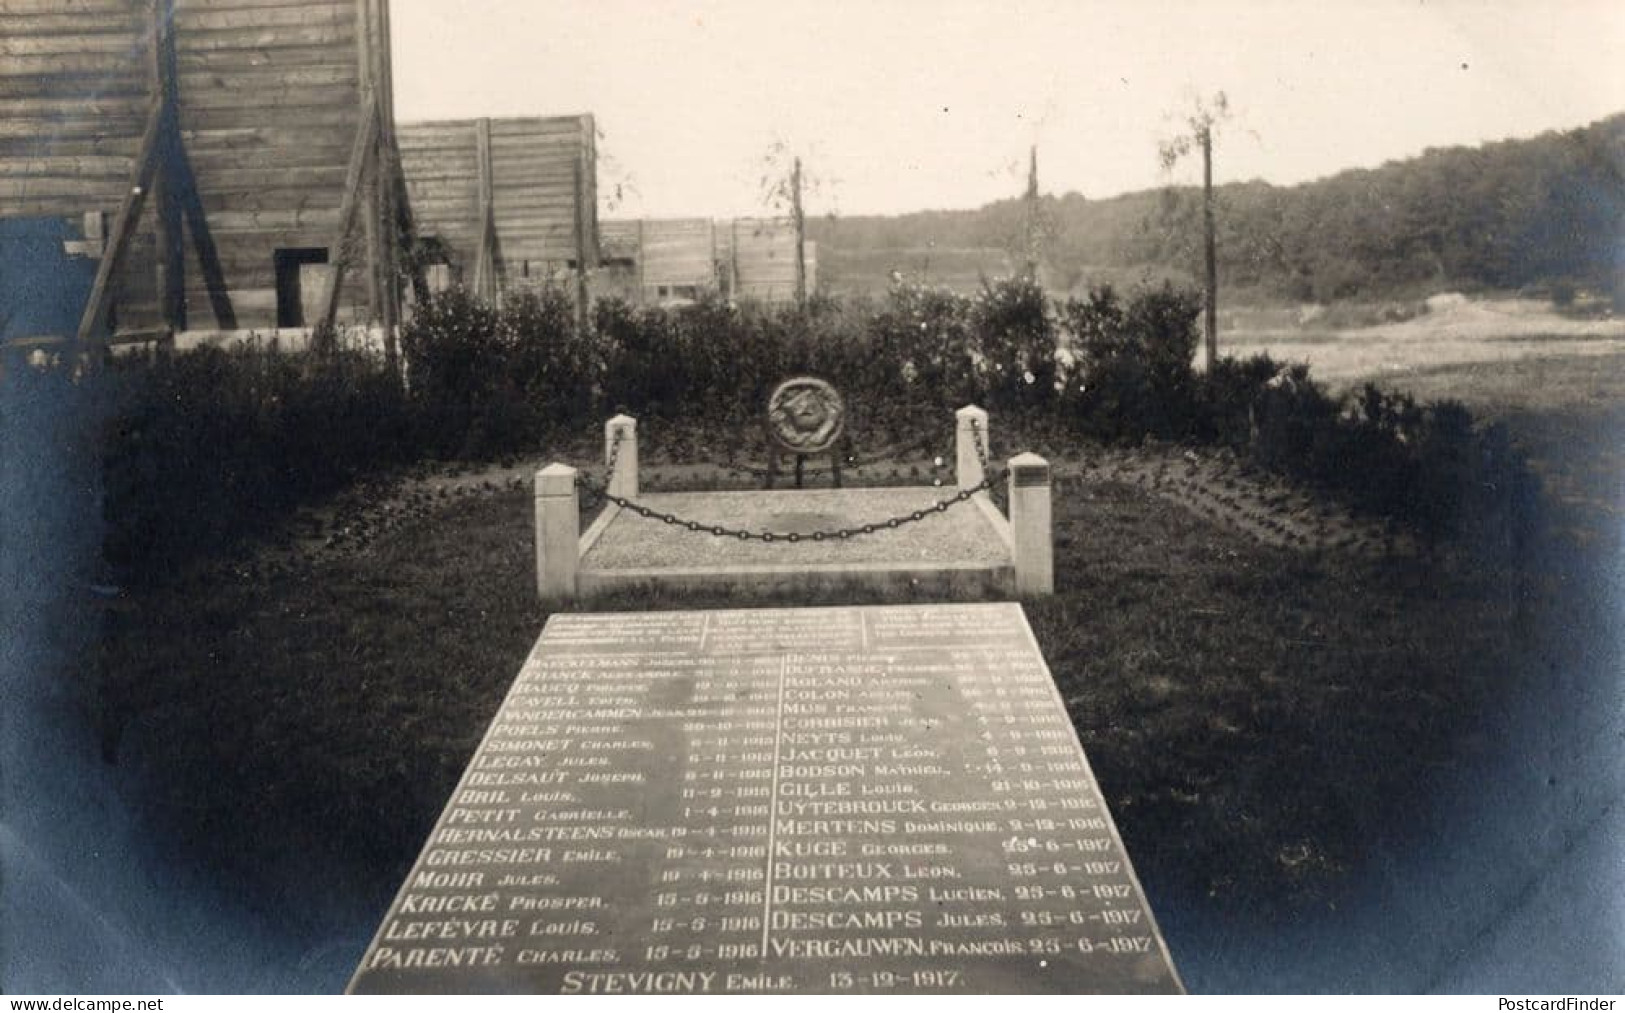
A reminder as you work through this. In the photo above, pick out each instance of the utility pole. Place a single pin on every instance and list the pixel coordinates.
(1201, 122)
(1030, 266)
(1209, 249)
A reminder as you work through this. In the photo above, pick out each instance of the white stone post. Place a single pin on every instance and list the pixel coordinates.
(623, 481)
(558, 532)
(969, 420)
(1030, 525)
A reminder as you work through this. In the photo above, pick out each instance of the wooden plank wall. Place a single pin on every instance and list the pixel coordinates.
(618, 240)
(617, 274)
(679, 251)
(270, 100)
(269, 95)
(441, 164)
(76, 82)
(534, 170)
(535, 167)
(75, 88)
(699, 252)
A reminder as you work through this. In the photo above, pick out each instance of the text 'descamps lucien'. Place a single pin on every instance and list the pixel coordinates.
(865, 799)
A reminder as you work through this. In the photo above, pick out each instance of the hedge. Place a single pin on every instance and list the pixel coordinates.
(209, 444)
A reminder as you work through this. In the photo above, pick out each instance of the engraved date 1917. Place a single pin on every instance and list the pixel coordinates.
(878, 980)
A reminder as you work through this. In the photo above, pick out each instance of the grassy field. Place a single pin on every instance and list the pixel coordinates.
(1456, 335)
(1557, 383)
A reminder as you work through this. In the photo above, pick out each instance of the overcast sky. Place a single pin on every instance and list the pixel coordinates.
(910, 104)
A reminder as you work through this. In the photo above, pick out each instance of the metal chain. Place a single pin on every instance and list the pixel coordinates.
(722, 531)
(841, 534)
(614, 455)
(601, 491)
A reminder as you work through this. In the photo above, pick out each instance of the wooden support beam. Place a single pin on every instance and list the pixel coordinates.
(143, 336)
(369, 99)
(32, 341)
(406, 225)
(384, 173)
(387, 237)
(733, 260)
(197, 223)
(485, 253)
(638, 263)
(587, 206)
(139, 336)
(361, 152)
(482, 260)
(582, 299)
(487, 280)
(94, 319)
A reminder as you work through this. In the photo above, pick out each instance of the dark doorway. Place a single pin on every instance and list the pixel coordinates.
(290, 310)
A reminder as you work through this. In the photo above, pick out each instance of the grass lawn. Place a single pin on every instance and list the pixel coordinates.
(1568, 413)
(1269, 716)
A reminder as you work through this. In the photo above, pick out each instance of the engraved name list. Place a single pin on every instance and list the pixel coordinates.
(864, 799)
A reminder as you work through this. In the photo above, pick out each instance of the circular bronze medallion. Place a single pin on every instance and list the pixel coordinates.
(805, 415)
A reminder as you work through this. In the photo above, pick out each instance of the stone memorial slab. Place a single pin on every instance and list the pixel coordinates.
(831, 800)
(955, 551)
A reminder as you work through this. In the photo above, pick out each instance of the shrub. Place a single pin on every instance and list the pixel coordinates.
(556, 369)
(1292, 424)
(640, 357)
(454, 366)
(1163, 321)
(1015, 345)
(1230, 394)
(485, 381)
(1106, 387)
(1132, 376)
(1425, 466)
(209, 443)
(926, 333)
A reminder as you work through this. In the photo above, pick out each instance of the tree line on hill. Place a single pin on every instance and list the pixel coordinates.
(1542, 213)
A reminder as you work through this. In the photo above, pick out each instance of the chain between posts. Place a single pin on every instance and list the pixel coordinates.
(980, 443)
(793, 537)
(601, 491)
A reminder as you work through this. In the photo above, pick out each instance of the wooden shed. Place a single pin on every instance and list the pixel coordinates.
(654, 260)
(214, 154)
(759, 255)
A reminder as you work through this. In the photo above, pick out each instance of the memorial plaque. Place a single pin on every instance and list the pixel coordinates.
(805, 415)
(866, 799)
